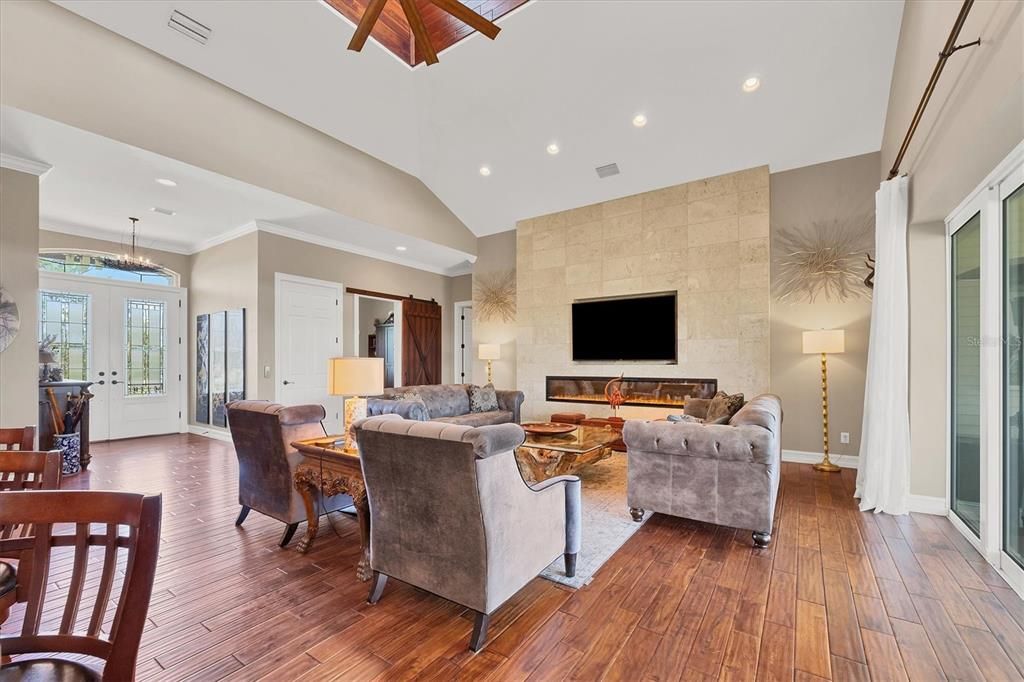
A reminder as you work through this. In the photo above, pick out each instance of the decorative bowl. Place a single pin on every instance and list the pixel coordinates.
(548, 428)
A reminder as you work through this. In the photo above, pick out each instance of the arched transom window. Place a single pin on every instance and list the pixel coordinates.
(105, 266)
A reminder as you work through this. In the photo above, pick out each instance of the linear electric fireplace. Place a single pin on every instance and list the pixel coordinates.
(640, 391)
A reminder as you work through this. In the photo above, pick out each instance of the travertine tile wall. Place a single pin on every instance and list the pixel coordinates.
(708, 240)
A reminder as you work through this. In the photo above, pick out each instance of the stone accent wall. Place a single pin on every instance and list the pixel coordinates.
(708, 240)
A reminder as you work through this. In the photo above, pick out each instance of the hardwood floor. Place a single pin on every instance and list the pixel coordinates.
(839, 595)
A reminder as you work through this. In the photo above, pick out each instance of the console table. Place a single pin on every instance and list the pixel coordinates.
(332, 470)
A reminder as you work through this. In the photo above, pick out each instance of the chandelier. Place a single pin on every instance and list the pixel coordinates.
(130, 261)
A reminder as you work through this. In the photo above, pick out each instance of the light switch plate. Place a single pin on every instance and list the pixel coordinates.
(266, 371)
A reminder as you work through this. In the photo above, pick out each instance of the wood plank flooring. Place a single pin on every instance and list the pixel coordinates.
(839, 595)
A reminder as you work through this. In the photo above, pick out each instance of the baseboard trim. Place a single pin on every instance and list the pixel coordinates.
(924, 504)
(803, 457)
(210, 432)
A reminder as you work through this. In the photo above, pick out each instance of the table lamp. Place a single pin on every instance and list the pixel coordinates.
(824, 341)
(489, 352)
(355, 378)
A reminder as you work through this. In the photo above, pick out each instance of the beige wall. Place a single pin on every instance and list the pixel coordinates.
(495, 253)
(708, 239)
(838, 190)
(224, 277)
(182, 115)
(19, 276)
(281, 254)
(177, 262)
(975, 118)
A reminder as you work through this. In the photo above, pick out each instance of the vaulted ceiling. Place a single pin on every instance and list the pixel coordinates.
(570, 73)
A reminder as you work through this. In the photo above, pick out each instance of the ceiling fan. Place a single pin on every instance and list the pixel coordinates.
(416, 25)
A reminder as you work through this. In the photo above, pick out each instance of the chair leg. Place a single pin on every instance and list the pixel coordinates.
(289, 531)
(762, 539)
(242, 514)
(376, 587)
(570, 565)
(479, 638)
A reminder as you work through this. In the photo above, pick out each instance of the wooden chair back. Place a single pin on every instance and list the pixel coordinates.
(20, 439)
(78, 511)
(27, 470)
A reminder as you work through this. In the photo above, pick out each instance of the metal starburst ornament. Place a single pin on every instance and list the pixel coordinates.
(824, 259)
(495, 295)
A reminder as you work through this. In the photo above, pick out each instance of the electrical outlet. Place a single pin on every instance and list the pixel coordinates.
(844, 437)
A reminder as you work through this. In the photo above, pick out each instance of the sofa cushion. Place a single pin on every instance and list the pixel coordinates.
(479, 418)
(697, 407)
(746, 443)
(723, 405)
(482, 398)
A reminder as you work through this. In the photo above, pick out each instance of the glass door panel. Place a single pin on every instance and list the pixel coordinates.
(1013, 380)
(965, 419)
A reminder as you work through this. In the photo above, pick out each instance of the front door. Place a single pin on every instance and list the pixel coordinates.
(308, 335)
(127, 341)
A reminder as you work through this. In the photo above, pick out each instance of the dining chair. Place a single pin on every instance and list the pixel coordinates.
(20, 438)
(94, 519)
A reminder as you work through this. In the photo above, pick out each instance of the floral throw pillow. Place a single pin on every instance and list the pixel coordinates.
(723, 405)
(483, 398)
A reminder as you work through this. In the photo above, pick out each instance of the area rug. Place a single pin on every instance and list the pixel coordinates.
(606, 520)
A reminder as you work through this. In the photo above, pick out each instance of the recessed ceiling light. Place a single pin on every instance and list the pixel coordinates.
(400, 248)
(639, 120)
(751, 84)
(552, 149)
(485, 171)
(167, 183)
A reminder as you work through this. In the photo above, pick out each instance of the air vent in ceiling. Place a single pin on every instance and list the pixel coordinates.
(607, 170)
(188, 26)
(162, 211)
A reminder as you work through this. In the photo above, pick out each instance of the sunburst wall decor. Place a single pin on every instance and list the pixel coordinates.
(824, 259)
(494, 294)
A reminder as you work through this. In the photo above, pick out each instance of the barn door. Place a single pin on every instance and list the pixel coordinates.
(421, 342)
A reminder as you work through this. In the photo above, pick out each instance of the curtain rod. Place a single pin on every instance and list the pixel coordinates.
(947, 51)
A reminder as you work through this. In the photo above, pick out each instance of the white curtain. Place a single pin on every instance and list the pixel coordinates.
(882, 479)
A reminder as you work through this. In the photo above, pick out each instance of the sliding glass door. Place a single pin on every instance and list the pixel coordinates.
(965, 419)
(1013, 372)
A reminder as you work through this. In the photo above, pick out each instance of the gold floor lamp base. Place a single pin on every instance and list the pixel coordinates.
(825, 464)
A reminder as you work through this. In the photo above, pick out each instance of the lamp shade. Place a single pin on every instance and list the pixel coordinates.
(355, 376)
(825, 341)
(489, 351)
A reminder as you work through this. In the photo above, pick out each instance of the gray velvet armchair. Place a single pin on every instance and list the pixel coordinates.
(451, 514)
(727, 474)
(262, 433)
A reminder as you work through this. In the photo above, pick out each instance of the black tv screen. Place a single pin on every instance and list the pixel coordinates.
(639, 329)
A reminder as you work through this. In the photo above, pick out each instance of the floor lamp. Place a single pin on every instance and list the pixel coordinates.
(824, 341)
(353, 378)
(489, 352)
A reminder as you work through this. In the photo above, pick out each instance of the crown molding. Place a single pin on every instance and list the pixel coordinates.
(75, 230)
(23, 165)
(223, 237)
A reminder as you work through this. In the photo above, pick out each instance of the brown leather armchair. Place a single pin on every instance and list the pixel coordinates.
(263, 432)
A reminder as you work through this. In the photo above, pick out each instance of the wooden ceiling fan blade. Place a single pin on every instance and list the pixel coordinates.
(366, 24)
(468, 16)
(419, 31)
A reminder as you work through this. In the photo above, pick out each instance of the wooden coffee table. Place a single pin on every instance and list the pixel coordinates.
(544, 457)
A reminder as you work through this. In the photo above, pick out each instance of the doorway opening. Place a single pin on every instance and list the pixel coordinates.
(377, 333)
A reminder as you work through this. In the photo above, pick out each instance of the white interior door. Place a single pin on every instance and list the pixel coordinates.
(307, 335)
(127, 341)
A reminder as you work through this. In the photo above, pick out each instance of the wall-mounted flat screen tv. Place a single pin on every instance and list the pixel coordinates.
(635, 329)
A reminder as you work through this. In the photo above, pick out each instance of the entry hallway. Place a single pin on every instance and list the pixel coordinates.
(839, 595)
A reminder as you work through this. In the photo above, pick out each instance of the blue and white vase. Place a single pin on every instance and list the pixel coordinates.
(70, 446)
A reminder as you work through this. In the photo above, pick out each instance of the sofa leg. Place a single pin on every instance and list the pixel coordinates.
(637, 514)
(479, 638)
(570, 565)
(289, 531)
(762, 540)
(376, 587)
(242, 514)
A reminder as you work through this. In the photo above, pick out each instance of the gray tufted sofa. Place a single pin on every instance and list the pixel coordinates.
(726, 474)
(451, 514)
(447, 403)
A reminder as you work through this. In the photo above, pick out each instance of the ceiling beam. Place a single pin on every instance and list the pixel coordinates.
(468, 16)
(366, 24)
(419, 31)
